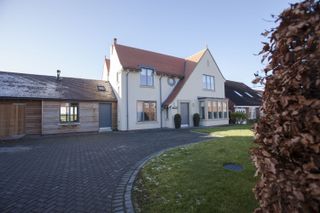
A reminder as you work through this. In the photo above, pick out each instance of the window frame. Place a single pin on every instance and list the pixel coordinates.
(144, 112)
(149, 73)
(69, 106)
(208, 82)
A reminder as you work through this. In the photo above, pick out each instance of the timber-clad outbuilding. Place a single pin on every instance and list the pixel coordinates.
(39, 104)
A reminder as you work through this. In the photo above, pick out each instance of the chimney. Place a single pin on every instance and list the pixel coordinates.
(58, 75)
(115, 41)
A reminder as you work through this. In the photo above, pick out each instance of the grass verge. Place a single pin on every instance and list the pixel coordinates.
(192, 178)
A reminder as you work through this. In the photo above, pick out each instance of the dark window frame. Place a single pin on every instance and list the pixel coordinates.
(206, 82)
(73, 117)
(144, 112)
(149, 73)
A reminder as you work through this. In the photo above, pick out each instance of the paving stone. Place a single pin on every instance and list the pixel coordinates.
(80, 172)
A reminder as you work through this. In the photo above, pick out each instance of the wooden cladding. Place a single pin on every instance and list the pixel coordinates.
(19, 118)
(12, 120)
(23, 117)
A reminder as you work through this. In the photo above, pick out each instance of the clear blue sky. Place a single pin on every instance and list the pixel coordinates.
(41, 36)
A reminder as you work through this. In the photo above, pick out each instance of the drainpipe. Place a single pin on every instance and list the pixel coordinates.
(127, 97)
(160, 83)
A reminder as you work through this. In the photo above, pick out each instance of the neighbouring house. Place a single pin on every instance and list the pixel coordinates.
(38, 104)
(152, 87)
(243, 99)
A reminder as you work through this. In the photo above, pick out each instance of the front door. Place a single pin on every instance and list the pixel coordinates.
(105, 118)
(184, 114)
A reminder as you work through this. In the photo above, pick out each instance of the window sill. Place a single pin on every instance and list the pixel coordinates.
(147, 122)
(145, 86)
(214, 119)
(69, 124)
(209, 90)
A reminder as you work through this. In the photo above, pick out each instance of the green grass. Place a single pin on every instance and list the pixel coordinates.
(192, 178)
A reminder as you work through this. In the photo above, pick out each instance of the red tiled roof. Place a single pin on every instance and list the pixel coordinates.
(190, 64)
(134, 58)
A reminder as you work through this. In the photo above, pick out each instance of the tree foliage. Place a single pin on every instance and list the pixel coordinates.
(287, 156)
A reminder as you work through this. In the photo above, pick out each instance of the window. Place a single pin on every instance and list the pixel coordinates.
(118, 77)
(101, 88)
(69, 113)
(208, 82)
(146, 77)
(202, 110)
(220, 109)
(215, 110)
(238, 93)
(171, 81)
(146, 111)
(248, 94)
(224, 108)
(209, 110)
(167, 113)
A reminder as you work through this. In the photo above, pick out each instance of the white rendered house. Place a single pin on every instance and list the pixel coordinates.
(152, 87)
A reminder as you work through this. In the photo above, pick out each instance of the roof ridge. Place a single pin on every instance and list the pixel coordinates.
(150, 51)
(196, 54)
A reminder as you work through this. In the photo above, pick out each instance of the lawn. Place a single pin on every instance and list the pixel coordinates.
(192, 178)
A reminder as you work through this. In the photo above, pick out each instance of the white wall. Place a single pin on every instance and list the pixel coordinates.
(142, 93)
(105, 72)
(115, 68)
(193, 89)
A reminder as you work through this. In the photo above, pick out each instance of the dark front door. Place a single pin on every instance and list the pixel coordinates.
(184, 114)
(105, 119)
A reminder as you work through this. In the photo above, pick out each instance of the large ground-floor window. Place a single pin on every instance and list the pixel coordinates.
(213, 109)
(146, 111)
(69, 112)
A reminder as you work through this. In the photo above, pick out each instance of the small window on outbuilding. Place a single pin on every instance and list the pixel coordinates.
(69, 113)
(101, 88)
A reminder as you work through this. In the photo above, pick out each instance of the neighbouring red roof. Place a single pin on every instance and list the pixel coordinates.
(134, 58)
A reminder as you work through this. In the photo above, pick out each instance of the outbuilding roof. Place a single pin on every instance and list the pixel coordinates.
(30, 86)
(241, 95)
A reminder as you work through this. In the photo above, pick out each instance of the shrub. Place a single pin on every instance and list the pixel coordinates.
(196, 119)
(238, 117)
(288, 133)
(177, 121)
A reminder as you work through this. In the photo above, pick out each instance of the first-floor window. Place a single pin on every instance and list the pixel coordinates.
(146, 77)
(146, 111)
(69, 112)
(208, 82)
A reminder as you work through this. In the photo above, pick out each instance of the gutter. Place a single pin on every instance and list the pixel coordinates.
(127, 98)
(160, 83)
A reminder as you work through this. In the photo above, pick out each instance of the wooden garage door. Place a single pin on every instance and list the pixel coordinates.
(12, 118)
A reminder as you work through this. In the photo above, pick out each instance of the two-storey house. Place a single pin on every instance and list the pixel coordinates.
(152, 87)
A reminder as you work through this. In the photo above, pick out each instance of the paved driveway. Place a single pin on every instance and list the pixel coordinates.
(75, 173)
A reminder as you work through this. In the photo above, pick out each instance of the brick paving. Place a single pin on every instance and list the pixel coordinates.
(75, 173)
